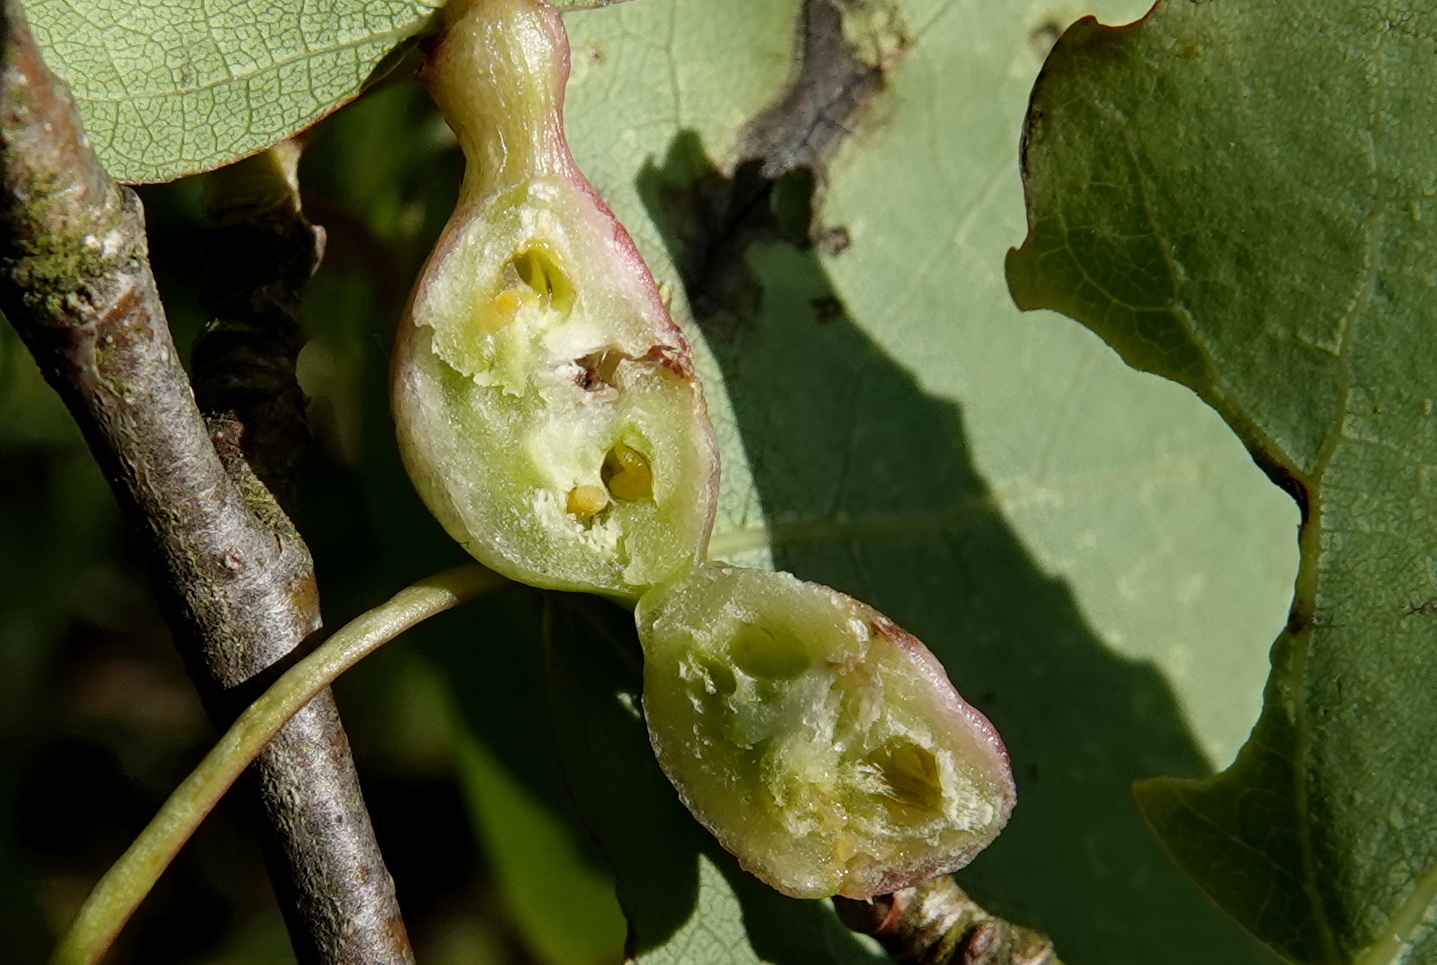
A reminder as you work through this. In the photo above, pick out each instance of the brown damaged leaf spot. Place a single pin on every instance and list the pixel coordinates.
(840, 67)
(843, 51)
(1299, 618)
(1283, 478)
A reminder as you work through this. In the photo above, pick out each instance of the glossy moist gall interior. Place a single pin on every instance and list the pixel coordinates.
(821, 744)
(546, 405)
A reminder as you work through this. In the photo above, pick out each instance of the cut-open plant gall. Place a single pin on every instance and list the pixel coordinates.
(546, 404)
(549, 415)
(821, 744)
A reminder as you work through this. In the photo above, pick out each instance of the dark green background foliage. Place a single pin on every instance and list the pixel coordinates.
(1233, 195)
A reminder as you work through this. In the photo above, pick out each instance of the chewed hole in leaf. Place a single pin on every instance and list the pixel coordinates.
(910, 774)
(627, 473)
(538, 269)
(768, 654)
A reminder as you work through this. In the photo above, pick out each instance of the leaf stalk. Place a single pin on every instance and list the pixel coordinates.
(117, 894)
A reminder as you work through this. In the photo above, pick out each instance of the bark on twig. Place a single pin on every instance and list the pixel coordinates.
(335, 891)
(233, 577)
(937, 923)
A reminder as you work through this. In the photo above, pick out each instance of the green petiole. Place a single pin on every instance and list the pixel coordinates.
(116, 896)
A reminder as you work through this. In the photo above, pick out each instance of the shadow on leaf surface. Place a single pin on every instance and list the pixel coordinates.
(868, 486)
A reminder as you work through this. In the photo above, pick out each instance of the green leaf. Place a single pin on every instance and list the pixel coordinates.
(1239, 195)
(171, 87)
(1088, 549)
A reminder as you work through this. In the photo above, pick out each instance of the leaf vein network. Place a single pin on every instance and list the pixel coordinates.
(302, 58)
